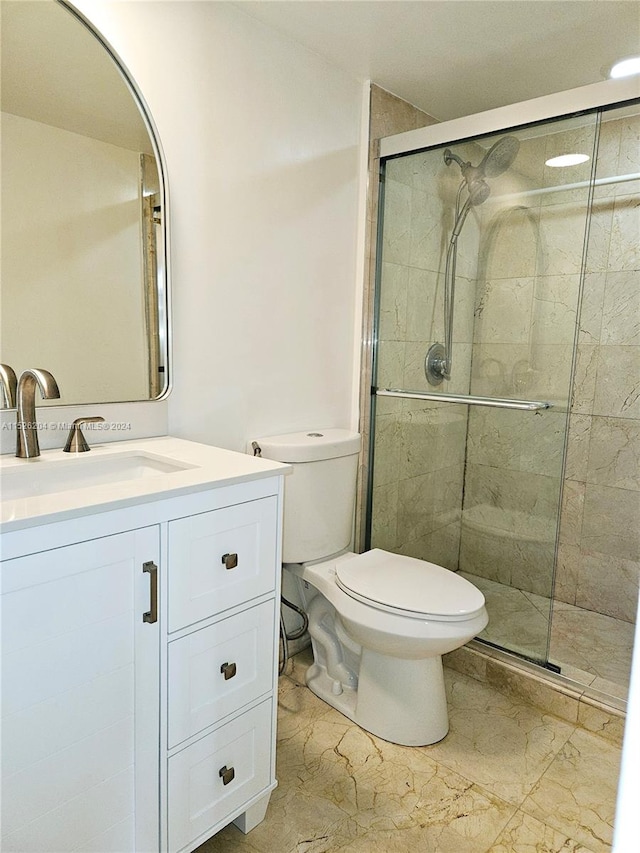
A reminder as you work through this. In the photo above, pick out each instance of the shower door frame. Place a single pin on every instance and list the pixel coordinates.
(574, 102)
(559, 105)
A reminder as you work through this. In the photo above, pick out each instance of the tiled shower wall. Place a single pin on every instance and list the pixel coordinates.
(527, 294)
(420, 446)
(599, 554)
(388, 114)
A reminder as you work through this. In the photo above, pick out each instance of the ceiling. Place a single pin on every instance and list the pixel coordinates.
(448, 57)
(453, 58)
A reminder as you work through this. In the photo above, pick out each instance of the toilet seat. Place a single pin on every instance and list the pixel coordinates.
(408, 587)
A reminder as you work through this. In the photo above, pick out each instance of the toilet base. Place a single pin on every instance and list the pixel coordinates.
(320, 683)
(402, 701)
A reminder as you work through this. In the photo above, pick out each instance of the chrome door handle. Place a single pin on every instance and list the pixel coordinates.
(152, 614)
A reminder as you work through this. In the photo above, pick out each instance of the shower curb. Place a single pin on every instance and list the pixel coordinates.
(553, 693)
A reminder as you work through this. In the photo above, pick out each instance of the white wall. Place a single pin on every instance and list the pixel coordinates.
(262, 144)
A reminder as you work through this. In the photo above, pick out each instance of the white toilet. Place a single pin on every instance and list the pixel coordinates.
(379, 622)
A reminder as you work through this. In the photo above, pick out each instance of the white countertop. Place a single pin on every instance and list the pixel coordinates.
(205, 466)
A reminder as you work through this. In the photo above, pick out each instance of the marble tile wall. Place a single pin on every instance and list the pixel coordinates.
(388, 115)
(525, 319)
(419, 446)
(528, 296)
(599, 552)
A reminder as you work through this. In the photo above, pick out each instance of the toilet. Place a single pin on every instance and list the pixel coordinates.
(379, 622)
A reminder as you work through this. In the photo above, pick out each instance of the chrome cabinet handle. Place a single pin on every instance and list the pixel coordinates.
(228, 670)
(227, 774)
(152, 614)
(230, 560)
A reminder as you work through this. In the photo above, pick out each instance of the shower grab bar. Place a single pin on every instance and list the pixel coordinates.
(466, 399)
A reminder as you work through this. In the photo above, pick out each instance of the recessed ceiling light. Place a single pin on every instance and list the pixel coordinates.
(625, 67)
(566, 160)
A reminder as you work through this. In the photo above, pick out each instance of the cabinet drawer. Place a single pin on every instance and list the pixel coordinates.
(220, 559)
(216, 670)
(198, 795)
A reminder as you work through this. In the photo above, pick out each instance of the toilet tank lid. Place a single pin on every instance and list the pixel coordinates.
(309, 446)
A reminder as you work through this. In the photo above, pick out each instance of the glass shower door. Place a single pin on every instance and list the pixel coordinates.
(460, 476)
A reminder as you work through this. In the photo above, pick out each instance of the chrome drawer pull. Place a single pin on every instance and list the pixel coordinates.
(228, 670)
(152, 614)
(227, 774)
(230, 560)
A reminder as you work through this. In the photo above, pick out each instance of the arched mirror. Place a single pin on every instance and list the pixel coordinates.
(84, 265)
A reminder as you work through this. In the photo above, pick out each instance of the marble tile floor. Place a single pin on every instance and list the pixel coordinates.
(590, 648)
(506, 779)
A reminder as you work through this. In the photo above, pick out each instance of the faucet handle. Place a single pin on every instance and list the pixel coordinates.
(76, 442)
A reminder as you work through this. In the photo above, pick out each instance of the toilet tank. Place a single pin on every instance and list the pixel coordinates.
(319, 496)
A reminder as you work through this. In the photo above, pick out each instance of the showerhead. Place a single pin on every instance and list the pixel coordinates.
(499, 157)
(496, 161)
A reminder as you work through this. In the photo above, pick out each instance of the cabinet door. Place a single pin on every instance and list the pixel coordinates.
(80, 708)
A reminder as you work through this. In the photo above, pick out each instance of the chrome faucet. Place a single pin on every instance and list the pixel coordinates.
(8, 385)
(27, 444)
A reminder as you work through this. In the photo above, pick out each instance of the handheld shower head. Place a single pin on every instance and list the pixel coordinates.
(496, 161)
(479, 190)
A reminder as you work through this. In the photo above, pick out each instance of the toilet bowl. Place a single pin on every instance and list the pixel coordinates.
(379, 622)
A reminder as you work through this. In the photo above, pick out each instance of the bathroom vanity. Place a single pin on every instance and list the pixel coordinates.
(139, 592)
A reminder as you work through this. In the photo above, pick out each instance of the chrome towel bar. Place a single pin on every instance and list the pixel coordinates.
(466, 399)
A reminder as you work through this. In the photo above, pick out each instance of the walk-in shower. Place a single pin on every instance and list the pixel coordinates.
(519, 467)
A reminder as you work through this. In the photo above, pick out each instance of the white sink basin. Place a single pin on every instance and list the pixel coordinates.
(114, 476)
(43, 477)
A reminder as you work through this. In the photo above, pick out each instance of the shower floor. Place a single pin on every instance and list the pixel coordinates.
(590, 648)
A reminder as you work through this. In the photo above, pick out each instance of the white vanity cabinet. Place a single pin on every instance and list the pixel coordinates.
(139, 667)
